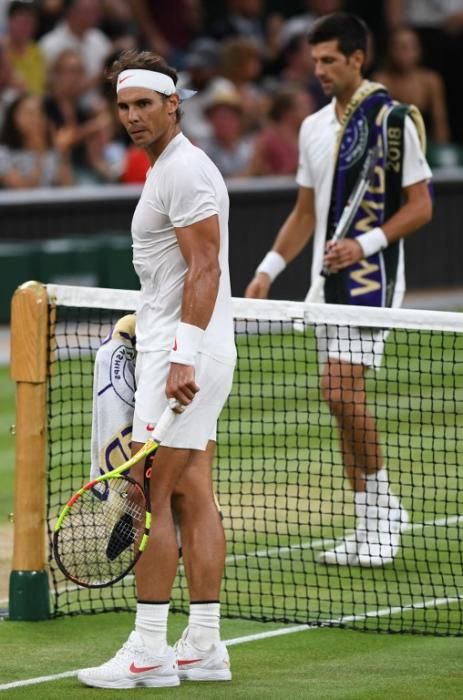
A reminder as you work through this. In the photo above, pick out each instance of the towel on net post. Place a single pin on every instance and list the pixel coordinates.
(113, 398)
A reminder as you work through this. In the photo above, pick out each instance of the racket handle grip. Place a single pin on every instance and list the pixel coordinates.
(314, 295)
(165, 421)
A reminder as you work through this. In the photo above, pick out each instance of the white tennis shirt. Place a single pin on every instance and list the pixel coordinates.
(182, 188)
(317, 149)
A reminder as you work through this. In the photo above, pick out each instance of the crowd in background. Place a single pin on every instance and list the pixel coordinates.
(248, 60)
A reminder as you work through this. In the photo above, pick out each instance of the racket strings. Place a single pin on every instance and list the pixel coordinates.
(100, 536)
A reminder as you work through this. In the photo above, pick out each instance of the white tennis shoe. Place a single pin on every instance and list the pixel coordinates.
(384, 529)
(132, 667)
(346, 553)
(194, 664)
(375, 541)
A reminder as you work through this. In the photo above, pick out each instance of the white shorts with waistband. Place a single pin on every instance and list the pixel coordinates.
(193, 428)
(357, 346)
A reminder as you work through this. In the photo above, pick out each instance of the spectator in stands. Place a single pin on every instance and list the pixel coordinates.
(31, 154)
(50, 13)
(229, 150)
(66, 83)
(135, 167)
(167, 27)
(298, 69)
(407, 80)
(24, 53)
(79, 31)
(106, 152)
(201, 74)
(118, 24)
(246, 19)
(10, 86)
(275, 150)
(242, 65)
(440, 28)
(301, 24)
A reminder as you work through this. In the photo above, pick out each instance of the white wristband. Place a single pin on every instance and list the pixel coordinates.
(272, 264)
(187, 343)
(372, 242)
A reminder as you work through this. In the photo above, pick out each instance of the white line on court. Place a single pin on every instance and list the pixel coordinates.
(310, 544)
(383, 612)
(317, 544)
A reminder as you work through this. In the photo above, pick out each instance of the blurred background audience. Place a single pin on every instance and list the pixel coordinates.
(408, 81)
(248, 60)
(32, 154)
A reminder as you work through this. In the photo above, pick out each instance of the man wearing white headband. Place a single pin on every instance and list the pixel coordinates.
(186, 352)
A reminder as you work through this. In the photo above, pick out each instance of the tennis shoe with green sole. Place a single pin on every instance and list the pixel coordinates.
(134, 666)
(195, 664)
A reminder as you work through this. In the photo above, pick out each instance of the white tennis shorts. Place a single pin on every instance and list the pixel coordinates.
(193, 428)
(357, 346)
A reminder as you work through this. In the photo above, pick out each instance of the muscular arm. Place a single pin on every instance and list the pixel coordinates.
(291, 239)
(199, 245)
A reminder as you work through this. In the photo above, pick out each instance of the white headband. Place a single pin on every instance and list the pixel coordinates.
(160, 82)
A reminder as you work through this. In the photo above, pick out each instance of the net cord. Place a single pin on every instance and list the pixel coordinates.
(275, 310)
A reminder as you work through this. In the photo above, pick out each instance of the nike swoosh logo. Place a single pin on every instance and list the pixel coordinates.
(184, 662)
(122, 80)
(174, 347)
(142, 669)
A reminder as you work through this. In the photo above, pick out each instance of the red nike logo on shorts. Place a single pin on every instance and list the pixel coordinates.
(174, 347)
(141, 669)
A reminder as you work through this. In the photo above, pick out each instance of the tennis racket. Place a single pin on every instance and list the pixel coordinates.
(346, 218)
(104, 527)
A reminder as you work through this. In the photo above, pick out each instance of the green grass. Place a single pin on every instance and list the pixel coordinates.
(281, 487)
(322, 664)
(280, 482)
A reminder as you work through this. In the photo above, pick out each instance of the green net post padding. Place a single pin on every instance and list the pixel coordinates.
(29, 598)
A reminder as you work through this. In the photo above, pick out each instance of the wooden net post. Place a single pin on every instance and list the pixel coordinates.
(29, 592)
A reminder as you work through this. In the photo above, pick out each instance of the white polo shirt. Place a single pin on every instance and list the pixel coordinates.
(317, 151)
(182, 188)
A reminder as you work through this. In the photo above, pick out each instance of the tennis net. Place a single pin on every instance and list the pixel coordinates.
(279, 473)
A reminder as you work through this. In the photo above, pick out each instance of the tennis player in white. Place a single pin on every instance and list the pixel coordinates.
(338, 43)
(186, 352)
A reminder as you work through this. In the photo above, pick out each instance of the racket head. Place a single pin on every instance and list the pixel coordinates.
(102, 531)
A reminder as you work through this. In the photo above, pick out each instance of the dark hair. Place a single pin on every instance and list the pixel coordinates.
(350, 31)
(145, 60)
(10, 135)
(283, 102)
(17, 6)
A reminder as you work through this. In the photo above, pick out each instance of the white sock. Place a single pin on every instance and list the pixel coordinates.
(204, 624)
(151, 625)
(378, 491)
(360, 498)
